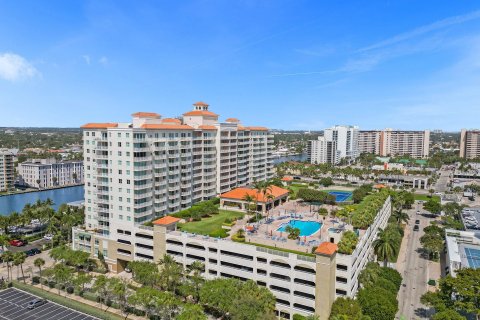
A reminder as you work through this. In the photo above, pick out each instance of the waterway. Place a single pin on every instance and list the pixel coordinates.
(295, 157)
(16, 202)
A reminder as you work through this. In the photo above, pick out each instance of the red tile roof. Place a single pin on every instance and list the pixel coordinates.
(172, 120)
(164, 221)
(235, 120)
(201, 113)
(253, 128)
(239, 193)
(166, 126)
(145, 115)
(99, 125)
(200, 103)
(326, 248)
(287, 178)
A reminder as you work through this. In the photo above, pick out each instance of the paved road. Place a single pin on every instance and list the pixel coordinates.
(415, 270)
(442, 182)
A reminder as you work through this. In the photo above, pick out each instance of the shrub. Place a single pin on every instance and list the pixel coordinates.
(392, 275)
(222, 233)
(52, 284)
(386, 284)
(36, 280)
(297, 316)
(346, 307)
(378, 303)
(70, 290)
(348, 242)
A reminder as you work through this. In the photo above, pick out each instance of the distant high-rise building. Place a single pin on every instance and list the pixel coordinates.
(6, 170)
(470, 144)
(338, 142)
(390, 142)
(47, 173)
(322, 151)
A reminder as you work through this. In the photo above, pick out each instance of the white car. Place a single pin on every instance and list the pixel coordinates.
(48, 237)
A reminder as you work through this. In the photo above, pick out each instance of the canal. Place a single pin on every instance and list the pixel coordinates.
(295, 157)
(16, 202)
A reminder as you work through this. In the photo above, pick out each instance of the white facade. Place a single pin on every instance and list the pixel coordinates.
(346, 138)
(323, 151)
(6, 170)
(137, 171)
(459, 244)
(47, 173)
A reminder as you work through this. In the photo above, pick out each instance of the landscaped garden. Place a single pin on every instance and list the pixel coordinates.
(212, 225)
(426, 197)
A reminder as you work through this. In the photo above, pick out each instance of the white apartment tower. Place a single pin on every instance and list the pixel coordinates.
(6, 170)
(390, 142)
(322, 151)
(153, 166)
(346, 138)
(338, 142)
(470, 144)
(47, 173)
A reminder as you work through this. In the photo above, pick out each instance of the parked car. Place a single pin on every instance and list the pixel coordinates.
(416, 228)
(417, 221)
(17, 243)
(32, 252)
(36, 303)
(418, 211)
(48, 237)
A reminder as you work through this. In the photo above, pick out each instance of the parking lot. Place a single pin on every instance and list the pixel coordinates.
(13, 306)
(35, 244)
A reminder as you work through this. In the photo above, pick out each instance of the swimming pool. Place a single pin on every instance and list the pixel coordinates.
(341, 196)
(307, 228)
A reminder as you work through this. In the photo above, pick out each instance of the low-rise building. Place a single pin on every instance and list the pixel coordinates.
(48, 173)
(302, 282)
(463, 250)
(407, 181)
(6, 170)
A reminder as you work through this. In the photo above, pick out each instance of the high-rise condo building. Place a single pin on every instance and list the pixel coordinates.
(153, 166)
(6, 170)
(390, 142)
(322, 151)
(338, 142)
(470, 144)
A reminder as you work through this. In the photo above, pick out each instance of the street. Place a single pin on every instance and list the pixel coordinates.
(443, 179)
(414, 268)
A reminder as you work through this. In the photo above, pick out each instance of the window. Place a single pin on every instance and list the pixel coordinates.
(341, 279)
(342, 267)
(341, 292)
(304, 269)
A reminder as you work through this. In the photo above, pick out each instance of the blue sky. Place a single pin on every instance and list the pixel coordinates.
(289, 64)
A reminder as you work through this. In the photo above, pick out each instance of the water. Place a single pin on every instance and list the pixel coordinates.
(295, 157)
(307, 228)
(16, 202)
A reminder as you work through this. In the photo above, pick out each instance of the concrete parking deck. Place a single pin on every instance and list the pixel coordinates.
(13, 306)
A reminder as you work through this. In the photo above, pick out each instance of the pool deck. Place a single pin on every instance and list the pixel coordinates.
(267, 234)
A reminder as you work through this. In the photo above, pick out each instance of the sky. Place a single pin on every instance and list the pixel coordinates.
(285, 64)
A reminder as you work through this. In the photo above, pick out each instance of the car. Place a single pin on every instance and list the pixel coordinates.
(48, 237)
(32, 252)
(417, 221)
(128, 270)
(418, 211)
(16, 243)
(416, 228)
(36, 303)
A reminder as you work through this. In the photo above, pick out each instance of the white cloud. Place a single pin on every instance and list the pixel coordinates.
(14, 67)
(103, 60)
(423, 30)
(86, 57)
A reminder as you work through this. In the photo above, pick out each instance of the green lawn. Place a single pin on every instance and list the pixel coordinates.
(426, 197)
(207, 225)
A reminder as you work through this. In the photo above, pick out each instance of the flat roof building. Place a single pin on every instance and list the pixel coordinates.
(48, 173)
(463, 250)
(470, 144)
(390, 142)
(7, 170)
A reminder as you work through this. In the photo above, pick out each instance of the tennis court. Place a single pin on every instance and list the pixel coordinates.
(473, 257)
(341, 196)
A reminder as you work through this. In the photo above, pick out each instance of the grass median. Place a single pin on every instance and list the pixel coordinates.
(66, 302)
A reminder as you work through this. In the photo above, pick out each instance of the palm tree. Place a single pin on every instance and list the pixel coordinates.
(401, 216)
(385, 246)
(39, 263)
(8, 257)
(3, 241)
(19, 260)
(248, 199)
